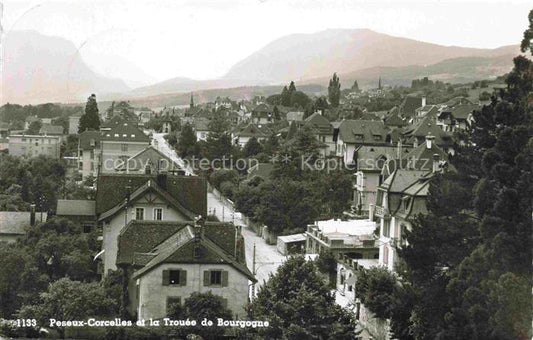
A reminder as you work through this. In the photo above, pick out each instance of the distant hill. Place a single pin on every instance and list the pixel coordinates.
(455, 70)
(359, 54)
(304, 56)
(39, 68)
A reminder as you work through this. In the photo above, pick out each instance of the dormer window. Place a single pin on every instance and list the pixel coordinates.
(116, 135)
(377, 137)
(359, 137)
(92, 142)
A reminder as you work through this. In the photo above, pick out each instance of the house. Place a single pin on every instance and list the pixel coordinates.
(201, 127)
(52, 130)
(149, 161)
(167, 125)
(460, 117)
(295, 116)
(260, 170)
(262, 114)
(180, 258)
(241, 135)
(393, 119)
(354, 238)
(34, 145)
(14, 224)
(350, 134)
(400, 197)
(322, 129)
(416, 134)
(122, 198)
(369, 162)
(119, 144)
(89, 153)
(81, 212)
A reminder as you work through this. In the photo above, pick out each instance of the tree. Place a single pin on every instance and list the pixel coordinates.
(70, 300)
(528, 36)
(90, 120)
(34, 127)
(252, 147)
(187, 143)
(285, 97)
(355, 87)
(275, 110)
(299, 305)
(299, 99)
(334, 90)
(292, 87)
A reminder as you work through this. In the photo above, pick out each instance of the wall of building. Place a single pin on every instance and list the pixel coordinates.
(152, 302)
(113, 228)
(112, 151)
(34, 145)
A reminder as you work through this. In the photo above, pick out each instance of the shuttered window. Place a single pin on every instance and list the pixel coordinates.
(216, 278)
(174, 277)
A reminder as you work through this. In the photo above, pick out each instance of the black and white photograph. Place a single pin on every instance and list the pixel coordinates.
(266, 169)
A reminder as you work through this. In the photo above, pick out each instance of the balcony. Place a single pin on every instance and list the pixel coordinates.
(382, 212)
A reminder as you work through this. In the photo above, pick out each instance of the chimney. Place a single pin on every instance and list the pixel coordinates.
(162, 180)
(32, 215)
(399, 150)
(429, 141)
(199, 222)
(423, 101)
(436, 159)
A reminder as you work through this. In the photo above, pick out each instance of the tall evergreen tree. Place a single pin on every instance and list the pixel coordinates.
(334, 90)
(292, 87)
(90, 120)
(285, 97)
(355, 86)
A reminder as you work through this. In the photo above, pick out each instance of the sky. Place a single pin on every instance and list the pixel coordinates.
(149, 41)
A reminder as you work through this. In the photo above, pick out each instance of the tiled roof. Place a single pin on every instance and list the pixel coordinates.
(401, 179)
(428, 126)
(295, 115)
(409, 105)
(149, 156)
(51, 129)
(394, 120)
(86, 137)
(363, 131)
(75, 208)
(262, 108)
(424, 156)
(16, 222)
(368, 156)
(319, 123)
(190, 191)
(125, 132)
(462, 112)
(253, 130)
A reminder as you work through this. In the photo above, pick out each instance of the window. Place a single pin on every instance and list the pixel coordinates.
(124, 147)
(171, 302)
(139, 213)
(216, 278)
(92, 154)
(158, 214)
(174, 277)
(386, 228)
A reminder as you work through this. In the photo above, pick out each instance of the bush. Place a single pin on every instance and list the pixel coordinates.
(375, 288)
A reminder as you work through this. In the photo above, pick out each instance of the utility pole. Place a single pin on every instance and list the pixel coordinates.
(253, 272)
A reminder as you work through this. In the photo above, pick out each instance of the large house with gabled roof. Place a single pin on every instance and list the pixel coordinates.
(181, 258)
(154, 231)
(119, 144)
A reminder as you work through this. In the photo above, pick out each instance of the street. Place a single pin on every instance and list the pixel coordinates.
(267, 258)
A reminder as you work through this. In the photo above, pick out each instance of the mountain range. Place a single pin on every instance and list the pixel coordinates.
(38, 68)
